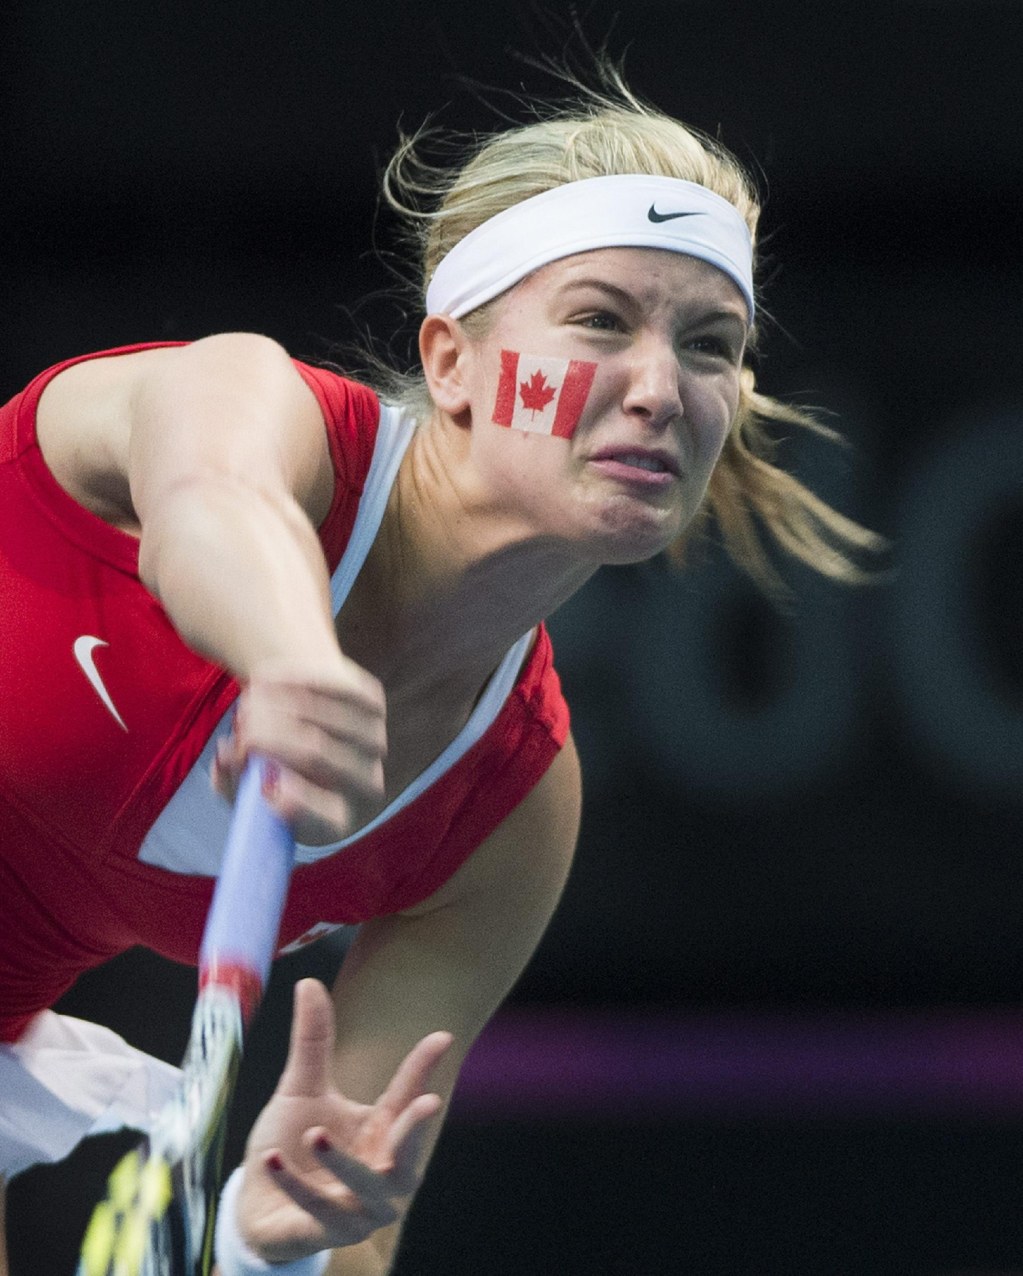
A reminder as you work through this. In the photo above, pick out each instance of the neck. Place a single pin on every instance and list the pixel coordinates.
(452, 579)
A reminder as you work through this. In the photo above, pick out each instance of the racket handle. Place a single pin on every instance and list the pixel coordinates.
(244, 920)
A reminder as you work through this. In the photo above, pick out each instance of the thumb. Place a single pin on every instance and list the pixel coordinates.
(307, 1071)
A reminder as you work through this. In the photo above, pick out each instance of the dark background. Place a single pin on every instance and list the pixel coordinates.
(812, 813)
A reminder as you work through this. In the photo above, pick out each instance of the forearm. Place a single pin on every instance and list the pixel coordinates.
(367, 1259)
(353, 1260)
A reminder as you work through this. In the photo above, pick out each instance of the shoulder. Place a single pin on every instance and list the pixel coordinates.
(82, 425)
(93, 410)
(104, 380)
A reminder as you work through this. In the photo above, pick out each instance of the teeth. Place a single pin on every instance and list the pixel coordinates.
(643, 462)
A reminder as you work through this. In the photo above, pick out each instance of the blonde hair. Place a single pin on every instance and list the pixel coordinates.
(601, 132)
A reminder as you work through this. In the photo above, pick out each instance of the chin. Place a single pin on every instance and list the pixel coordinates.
(621, 555)
(635, 540)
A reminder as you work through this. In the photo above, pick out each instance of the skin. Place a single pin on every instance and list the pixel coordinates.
(214, 455)
(667, 378)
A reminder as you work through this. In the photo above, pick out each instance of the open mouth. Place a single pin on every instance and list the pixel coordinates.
(642, 462)
(647, 468)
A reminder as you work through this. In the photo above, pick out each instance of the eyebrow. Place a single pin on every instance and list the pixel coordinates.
(718, 316)
(619, 294)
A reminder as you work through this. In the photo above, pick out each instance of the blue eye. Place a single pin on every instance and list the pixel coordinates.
(602, 321)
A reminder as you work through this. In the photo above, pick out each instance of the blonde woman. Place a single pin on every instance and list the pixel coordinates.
(211, 549)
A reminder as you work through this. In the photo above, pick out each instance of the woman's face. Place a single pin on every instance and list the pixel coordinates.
(658, 341)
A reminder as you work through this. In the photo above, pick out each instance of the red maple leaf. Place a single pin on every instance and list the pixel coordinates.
(536, 393)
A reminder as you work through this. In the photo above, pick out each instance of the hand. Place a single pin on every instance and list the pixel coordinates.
(322, 1171)
(325, 730)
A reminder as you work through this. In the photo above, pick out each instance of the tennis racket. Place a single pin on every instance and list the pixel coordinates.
(159, 1213)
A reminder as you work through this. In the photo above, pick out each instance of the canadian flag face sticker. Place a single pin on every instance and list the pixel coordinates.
(541, 394)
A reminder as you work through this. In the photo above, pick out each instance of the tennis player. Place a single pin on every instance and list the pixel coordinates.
(211, 549)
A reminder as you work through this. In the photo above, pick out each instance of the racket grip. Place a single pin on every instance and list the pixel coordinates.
(244, 920)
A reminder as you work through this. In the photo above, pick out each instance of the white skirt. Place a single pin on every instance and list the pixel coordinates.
(65, 1079)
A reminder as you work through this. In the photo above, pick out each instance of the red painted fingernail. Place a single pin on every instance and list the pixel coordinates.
(271, 779)
(274, 1163)
(323, 1144)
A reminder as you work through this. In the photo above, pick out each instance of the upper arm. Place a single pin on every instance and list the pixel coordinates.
(231, 408)
(449, 963)
(120, 432)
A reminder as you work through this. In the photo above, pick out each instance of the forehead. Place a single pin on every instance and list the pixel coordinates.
(652, 277)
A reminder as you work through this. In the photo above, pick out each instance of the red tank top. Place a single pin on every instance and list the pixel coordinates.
(104, 711)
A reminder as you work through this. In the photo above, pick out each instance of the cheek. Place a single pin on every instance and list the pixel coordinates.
(542, 394)
(713, 417)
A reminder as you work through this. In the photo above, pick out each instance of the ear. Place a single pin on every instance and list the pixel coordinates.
(443, 347)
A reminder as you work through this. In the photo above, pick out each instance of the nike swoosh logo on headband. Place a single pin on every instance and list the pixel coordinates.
(655, 216)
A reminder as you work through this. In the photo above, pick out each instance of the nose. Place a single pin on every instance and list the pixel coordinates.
(654, 391)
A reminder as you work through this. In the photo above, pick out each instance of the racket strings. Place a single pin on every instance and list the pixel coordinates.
(158, 1215)
(139, 1192)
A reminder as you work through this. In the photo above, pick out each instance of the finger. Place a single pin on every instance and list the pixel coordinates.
(353, 714)
(413, 1074)
(409, 1134)
(330, 759)
(318, 730)
(267, 709)
(358, 718)
(340, 1215)
(223, 782)
(318, 817)
(307, 1069)
(226, 770)
(346, 684)
(372, 1188)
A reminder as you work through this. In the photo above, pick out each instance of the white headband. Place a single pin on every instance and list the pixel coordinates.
(627, 211)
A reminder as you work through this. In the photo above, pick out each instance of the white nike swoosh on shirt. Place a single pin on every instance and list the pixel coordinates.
(83, 649)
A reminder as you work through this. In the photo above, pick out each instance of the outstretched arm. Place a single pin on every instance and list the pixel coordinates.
(444, 965)
(216, 455)
(229, 469)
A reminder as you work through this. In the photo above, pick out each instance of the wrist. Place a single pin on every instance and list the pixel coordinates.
(234, 1258)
